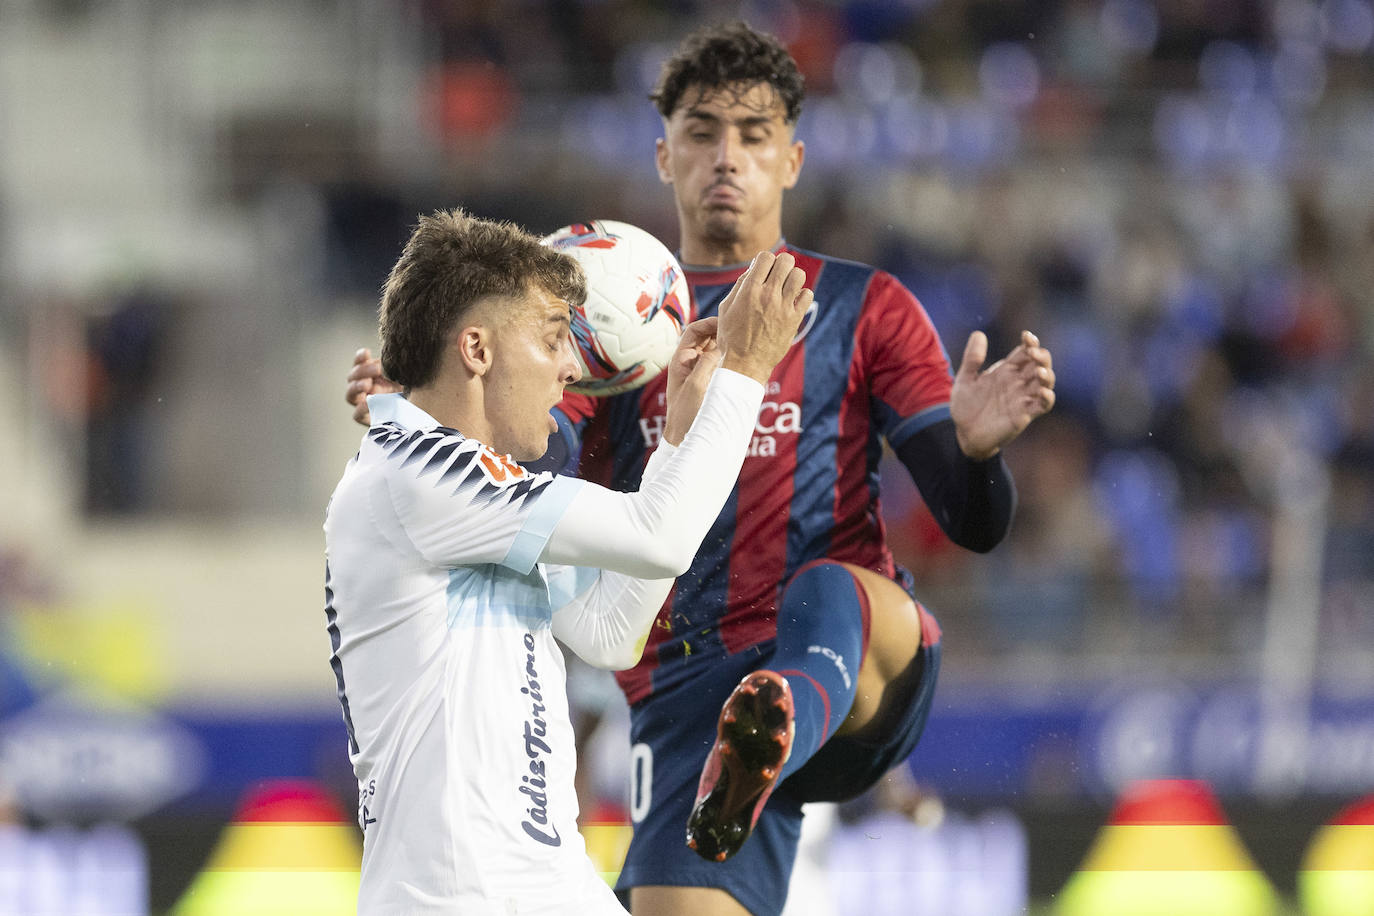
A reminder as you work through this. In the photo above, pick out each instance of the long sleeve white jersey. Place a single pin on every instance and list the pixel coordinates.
(442, 621)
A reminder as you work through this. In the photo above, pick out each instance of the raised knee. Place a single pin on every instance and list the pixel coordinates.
(819, 571)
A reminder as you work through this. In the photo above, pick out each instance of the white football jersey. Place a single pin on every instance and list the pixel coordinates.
(452, 686)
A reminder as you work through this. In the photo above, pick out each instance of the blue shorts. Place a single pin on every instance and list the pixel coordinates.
(671, 733)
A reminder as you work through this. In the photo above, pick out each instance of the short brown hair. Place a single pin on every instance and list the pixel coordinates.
(452, 261)
(728, 55)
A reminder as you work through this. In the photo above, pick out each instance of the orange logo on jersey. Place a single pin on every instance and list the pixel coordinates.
(499, 468)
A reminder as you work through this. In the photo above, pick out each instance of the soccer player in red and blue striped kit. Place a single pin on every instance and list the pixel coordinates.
(791, 662)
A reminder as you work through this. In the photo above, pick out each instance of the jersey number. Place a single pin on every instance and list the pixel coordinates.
(641, 781)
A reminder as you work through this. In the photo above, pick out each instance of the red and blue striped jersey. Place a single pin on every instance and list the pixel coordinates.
(866, 364)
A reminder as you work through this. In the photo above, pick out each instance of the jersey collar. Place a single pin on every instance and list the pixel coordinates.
(394, 408)
(711, 275)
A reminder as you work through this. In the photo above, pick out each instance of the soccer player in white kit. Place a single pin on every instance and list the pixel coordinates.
(451, 569)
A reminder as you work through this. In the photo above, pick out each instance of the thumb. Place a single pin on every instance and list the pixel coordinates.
(975, 352)
(699, 331)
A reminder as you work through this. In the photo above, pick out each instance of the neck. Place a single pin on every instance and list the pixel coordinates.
(453, 412)
(703, 251)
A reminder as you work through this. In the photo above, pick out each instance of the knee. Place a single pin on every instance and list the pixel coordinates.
(820, 575)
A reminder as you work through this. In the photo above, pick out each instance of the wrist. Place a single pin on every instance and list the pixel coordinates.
(975, 452)
(755, 370)
(673, 433)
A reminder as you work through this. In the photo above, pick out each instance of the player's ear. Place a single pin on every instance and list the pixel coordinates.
(796, 154)
(472, 347)
(665, 173)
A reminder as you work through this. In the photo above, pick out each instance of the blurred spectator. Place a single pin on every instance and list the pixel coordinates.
(125, 340)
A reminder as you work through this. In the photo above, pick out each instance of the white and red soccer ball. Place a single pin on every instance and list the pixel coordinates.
(637, 303)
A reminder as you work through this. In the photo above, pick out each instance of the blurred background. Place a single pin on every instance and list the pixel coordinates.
(200, 200)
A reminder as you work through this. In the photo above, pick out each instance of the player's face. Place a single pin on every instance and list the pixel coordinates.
(532, 361)
(729, 155)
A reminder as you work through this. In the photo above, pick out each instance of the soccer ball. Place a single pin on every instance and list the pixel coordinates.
(637, 300)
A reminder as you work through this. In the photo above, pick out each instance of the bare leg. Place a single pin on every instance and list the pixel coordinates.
(684, 901)
(894, 639)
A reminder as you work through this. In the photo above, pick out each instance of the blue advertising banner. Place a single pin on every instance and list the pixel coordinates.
(1093, 740)
(69, 757)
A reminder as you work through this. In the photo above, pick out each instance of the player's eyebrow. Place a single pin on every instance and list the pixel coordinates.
(748, 121)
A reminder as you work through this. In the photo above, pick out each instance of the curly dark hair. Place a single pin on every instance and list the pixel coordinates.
(729, 55)
(452, 261)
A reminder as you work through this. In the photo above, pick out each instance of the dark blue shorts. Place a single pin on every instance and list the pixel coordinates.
(671, 733)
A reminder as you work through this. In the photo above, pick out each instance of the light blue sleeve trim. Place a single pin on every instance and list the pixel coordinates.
(539, 524)
(917, 422)
(573, 581)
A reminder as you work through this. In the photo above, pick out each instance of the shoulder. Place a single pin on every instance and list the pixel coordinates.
(419, 464)
(865, 280)
(440, 470)
(829, 262)
(416, 452)
(869, 296)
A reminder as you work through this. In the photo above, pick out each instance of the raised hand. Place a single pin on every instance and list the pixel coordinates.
(364, 378)
(761, 314)
(696, 357)
(990, 407)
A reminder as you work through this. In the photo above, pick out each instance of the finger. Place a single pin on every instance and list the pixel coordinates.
(698, 332)
(365, 370)
(1046, 400)
(1034, 351)
(1044, 357)
(362, 356)
(1028, 371)
(759, 268)
(361, 414)
(752, 277)
(975, 352)
(780, 270)
(792, 285)
(803, 302)
(357, 391)
(707, 360)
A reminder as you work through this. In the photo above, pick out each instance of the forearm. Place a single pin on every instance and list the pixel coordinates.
(655, 532)
(608, 624)
(973, 501)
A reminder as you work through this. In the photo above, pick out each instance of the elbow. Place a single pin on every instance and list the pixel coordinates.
(618, 658)
(666, 561)
(982, 539)
(622, 661)
(980, 545)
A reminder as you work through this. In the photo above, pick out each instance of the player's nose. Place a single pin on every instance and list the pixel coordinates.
(727, 152)
(572, 368)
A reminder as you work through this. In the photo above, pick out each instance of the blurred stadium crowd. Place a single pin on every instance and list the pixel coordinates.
(1176, 196)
